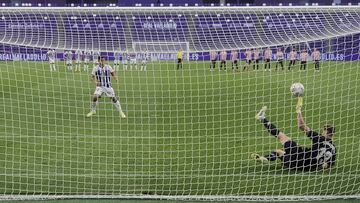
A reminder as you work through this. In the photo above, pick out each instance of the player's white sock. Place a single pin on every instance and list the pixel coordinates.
(117, 106)
(93, 106)
(53, 67)
(125, 67)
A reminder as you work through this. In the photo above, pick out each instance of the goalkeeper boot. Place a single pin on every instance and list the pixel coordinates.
(259, 158)
(261, 115)
(91, 113)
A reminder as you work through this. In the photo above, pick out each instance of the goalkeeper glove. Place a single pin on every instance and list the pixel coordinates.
(299, 105)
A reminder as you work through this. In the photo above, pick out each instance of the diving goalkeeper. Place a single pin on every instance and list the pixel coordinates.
(321, 155)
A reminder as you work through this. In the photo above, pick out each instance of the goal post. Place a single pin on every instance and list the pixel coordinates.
(190, 131)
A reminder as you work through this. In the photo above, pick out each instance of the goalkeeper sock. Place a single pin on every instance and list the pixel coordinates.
(270, 127)
(271, 156)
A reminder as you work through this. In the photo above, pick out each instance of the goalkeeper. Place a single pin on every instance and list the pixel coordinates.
(321, 155)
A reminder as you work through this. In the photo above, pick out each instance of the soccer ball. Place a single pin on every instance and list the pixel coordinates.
(297, 89)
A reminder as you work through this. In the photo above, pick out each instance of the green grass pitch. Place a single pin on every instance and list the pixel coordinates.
(188, 132)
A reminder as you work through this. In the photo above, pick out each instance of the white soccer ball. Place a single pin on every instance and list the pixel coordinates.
(297, 89)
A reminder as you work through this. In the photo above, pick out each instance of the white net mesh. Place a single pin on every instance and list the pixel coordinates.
(189, 131)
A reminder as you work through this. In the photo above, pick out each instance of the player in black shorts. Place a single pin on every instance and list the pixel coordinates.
(213, 64)
(247, 64)
(321, 155)
(179, 55)
(267, 63)
(179, 63)
(303, 65)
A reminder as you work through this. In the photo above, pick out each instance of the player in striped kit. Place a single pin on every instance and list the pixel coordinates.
(145, 57)
(248, 55)
(292, 57)
(223, 55)
(78, 59)
(68, 56)
(280, 58)
(117, 56)
(87, 58)
(213, 58)
(234, 59)
(133, 60)
(51, 54)
(101, 76)
(303, 59)
(267, 58)
(256, 54)
(126, 59)
(316, 56)
(95, 55)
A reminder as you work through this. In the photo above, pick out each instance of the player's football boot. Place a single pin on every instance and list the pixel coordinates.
(91, 113)
(122, 114)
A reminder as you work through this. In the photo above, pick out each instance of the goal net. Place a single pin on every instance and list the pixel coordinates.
(190, 128)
